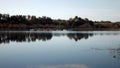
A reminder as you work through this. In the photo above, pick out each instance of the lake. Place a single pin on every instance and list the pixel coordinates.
(59, 49)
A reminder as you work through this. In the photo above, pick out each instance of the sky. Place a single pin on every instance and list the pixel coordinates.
(96, 10)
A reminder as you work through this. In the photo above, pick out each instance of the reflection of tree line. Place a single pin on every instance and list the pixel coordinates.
(24, 37)
(79, 36)
(6, 37)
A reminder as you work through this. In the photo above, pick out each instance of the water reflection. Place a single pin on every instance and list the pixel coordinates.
(59, 66)
(7, 37)
(61, 51)
(114, 51)
(79, 36)
(24, 37)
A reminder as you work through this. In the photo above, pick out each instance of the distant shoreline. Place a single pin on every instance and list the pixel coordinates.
(62, 29)
(23, 22)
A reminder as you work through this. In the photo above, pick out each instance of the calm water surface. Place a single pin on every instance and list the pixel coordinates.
(60, 49)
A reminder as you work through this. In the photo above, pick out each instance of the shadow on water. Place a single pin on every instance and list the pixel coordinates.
(24, 37)
(28, 36)
(79, 36)
(7, 37)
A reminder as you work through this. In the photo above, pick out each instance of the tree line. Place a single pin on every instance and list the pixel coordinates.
(31, 22)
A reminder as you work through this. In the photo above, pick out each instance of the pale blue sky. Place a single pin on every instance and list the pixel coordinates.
(64, 9)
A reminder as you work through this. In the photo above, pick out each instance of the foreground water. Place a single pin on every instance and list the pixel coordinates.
(60, 49)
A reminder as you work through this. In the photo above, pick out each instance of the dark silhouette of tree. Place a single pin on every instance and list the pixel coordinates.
(76, 21)
(33, 22)
(0, 17)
